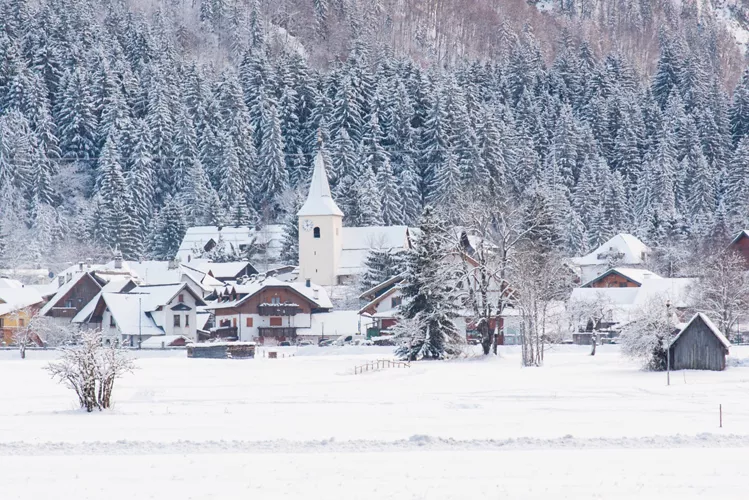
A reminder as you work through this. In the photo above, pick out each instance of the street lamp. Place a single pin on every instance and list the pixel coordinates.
(668, 342)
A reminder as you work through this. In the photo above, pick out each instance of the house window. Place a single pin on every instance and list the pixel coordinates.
(622, 285)
(316, 232)
(187, 320)
(177, 320)
(249, 322)
(276, 322)
(68, 303)
(395, 302)
(111, 321)
(275, 300)
(181, 297)
(2, 322)
(21, 322)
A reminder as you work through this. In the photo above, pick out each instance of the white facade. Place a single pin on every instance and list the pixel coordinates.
(138, 315)
(320, 237)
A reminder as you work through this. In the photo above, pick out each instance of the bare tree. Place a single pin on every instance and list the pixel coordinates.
(500, 227)
(540, 280)
(23, 335)
(722, 292)
(91, 369)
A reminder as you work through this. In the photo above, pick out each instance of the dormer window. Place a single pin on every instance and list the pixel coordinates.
(316, 232)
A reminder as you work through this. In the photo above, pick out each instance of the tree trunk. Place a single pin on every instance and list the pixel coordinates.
(593, 343)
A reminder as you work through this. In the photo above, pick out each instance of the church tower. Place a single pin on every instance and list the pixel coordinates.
(320, 231)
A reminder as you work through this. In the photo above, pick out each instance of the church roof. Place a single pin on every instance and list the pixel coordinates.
(319, 201)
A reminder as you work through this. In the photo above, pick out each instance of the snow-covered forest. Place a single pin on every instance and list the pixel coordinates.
(122, 124)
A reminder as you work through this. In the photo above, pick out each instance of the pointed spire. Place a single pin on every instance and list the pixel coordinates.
(319, 201)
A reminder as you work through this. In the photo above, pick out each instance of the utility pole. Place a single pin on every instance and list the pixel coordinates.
(140, 319)
(668, 342)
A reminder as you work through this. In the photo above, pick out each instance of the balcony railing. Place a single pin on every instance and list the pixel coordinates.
(224, 332)
(278, 309)
(278, 332)
(63, 312)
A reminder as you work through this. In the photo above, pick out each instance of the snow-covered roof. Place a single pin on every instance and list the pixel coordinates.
(377, 300)
(65, 288)
(115, 285)
(332, 324)
(163, 341)
(222, 269)
(202, 319)
(125, 308)
(13, 299)
(636, 275)
(319, 201)
(357, 242)
(197, 237)
(9, 283)
(627, 301)
(155, 296)
(714, 329)
(743, 233)
(389, 282)
(314, 293)
(628, 248)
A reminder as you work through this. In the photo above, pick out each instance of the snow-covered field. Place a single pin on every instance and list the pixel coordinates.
(307, 427)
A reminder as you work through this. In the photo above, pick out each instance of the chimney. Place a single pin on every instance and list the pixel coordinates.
(117, 259)
(61, 280)
(88, 263)
(80, 266)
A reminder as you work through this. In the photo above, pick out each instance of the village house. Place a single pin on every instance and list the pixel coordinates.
(144, 312)
(75, 291)
(740, 244)
(620, 294)
(223, 271)
(623, 250)
(269, 311)
(17, 305)
(699, 345)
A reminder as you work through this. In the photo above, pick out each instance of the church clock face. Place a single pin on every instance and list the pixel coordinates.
(307, 225)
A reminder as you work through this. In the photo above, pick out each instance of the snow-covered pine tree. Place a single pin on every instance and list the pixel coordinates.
(428, 295)
(390, 198)
(381, 265)
(168, 231)
(274, 179)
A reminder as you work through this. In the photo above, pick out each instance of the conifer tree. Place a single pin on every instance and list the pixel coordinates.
(427, 295)
(392, 207)
(168, 231)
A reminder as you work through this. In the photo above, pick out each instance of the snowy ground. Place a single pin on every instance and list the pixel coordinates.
(307, 427)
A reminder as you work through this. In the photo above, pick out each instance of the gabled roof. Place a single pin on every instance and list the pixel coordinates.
(9, 283)
(710, 325)
(13, 299)
(155, 296)
(629, 247)
(314, 293)
(742, 234)
(198, 236)
(116, 285)
(319, 201)
(130, 314)
(390, 282)
(377, 300)
(222, 269)
(67, 287)
(637, 275)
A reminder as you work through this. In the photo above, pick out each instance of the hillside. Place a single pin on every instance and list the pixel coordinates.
(122, 122)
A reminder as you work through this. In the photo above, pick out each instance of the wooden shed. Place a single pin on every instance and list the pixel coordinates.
(699, 346)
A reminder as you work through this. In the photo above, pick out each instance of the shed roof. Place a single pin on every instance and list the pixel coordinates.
(13, 299)
(710, 325)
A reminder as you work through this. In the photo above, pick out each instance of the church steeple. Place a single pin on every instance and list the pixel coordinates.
(319, 201)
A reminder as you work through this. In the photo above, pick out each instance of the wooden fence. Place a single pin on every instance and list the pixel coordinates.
(380, 364)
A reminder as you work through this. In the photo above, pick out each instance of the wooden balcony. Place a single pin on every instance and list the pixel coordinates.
(63, 312)
(278, 332)
(225, 332)
(278, 309)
